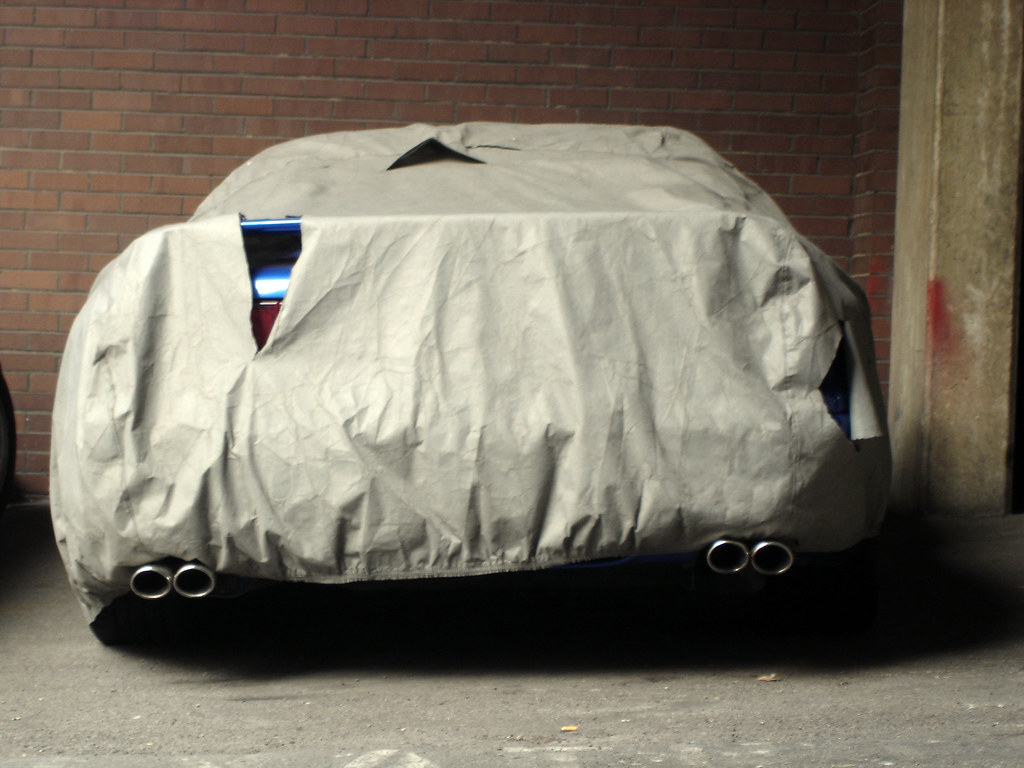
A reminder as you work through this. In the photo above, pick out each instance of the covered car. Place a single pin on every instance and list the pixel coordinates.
(429, 352)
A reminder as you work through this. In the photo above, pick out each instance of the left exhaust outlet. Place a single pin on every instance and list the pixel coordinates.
(152, 581)
(194, 580)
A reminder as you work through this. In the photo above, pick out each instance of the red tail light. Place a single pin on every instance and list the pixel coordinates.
(263, 316)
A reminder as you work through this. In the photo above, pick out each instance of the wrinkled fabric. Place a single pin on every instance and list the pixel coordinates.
(598, 342)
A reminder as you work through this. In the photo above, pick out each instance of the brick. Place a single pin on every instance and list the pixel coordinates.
(89, 80)
(60, 181)
(87, 201)
(55, 222)
(153, 123)
(820, 185)
(827, 22)
(277, 86)
(207, 125)
(122, 101)
(371, 29)
(643, 15)
(252, 22)
(399, 8)
(301, 67)
(641, 57)
(460, 9)
(763, 102)
(13, 179)
(516, 95)
(582, 13)
(670, 37)
(697, 18)
(435, 71)
(125, 19)
(608, 35)
(90, 121)
(333, 89)
(730, 81)
(634, 99)
(28, 281)
(484, 113)
(31, 37)
(487, 32)
(610, 78)
(794, 41)
(210, 84)
(179, 61)
(365, 68)
(338, 7)
(683, 82)
(152, 39)
(243, 105)
(185, 145)
(152, 204)
(183, 185)
(761, 19)
(392, 91)
(50, 302)
(705, 60)
(425, 113)
(214, 42)
(578, 97)
(60, 58)
(274, 45)
(15, 57)
(29, 78)
(765, 61)
(732, 39)
(185, 20)
(363, 110)
(547, 34)
(404, 50)
(121, 182)
(153, 82)
(23, 321)
(122, 60)
(15, 97)
(335, 47)
(456, 92)
(528, 74)
(575, 55)
(94, 38)
(521, 12)
(238, 146)
(19, 199)
(29, 241)
(65, 17)
(303, 108)
(32, 159)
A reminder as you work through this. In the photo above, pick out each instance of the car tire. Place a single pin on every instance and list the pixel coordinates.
(8, 443)
(835, 596)
(132, 620)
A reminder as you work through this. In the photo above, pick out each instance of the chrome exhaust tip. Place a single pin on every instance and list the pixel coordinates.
(194, 580)
(151, 581)
(772, 558)
(727, 556)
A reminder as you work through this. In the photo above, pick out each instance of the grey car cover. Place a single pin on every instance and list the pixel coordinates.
(504, 347)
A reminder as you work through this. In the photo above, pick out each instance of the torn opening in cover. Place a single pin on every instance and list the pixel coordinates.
(430, 151)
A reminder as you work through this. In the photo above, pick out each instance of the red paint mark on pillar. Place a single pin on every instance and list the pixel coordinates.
(940, 320)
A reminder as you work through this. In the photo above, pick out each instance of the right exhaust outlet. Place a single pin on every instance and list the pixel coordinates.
(772, 558)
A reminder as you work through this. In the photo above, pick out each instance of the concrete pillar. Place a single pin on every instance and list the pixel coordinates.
(956, 257)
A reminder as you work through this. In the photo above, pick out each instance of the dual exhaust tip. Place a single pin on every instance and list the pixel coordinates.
(771, 558)
(156, 580)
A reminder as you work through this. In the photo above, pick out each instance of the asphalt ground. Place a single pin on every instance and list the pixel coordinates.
(481, 678)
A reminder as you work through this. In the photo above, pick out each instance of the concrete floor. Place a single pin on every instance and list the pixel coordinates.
(470, 680)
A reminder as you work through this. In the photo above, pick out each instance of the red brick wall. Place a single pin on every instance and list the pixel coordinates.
(117, 116)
